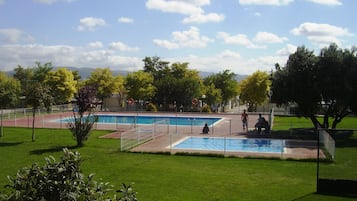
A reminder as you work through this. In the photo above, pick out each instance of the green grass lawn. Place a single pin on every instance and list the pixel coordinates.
(170, 177)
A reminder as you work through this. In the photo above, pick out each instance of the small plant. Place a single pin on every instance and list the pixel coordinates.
(151, 107)
(83, 114)
(61, 180)
(206, 108)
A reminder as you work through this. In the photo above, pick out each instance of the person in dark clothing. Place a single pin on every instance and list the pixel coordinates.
(205, 129)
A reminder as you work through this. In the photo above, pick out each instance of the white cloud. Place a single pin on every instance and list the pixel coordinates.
(327, 2)
(166, 44)
(322, 34)
(265, 37)
(265, 2)
(193, 9)
(287, 50)
(182, 7)
(125, 20)
(190, 38)
(239, 39)
(90, 23)
(96, 44)
(204, 18)
(62, 55)
(228, 59)
(14, 36)
(229, 54)
(258, 14)
(51, 1)
(122, 47)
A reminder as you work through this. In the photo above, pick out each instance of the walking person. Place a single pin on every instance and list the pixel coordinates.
(245, 119)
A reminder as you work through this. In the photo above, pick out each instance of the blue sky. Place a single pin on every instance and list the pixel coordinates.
(242, 36)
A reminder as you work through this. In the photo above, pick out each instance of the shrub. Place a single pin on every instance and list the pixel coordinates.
(61, 180)
(206, 108)
(83, 117)
(151, 107)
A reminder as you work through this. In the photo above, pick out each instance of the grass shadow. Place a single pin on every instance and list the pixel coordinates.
(51, 150)
(346, 142)
(304, 197)
(7, 144)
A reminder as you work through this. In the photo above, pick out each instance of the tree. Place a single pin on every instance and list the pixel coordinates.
(40, 72)
(23, 75)
(213, 95)
(318, 85)
(186, 84)
(225, 81)
(104, 81)
(83, 114)
(254, 89)
(155, 66)
(63, 85)
(61, 180)
(337, 81)
(10, 89)
(119, 83)
(176, 84)
(139, 85)
(38, 95)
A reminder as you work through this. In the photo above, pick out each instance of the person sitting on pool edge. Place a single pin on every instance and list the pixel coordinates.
(205, 129)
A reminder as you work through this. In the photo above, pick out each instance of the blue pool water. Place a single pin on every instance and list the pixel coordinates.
(232, 144)
(173, 120)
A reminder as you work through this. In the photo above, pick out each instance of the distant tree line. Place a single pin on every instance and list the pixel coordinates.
(163, 84)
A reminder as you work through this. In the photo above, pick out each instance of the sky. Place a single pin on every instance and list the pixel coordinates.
(242, 36)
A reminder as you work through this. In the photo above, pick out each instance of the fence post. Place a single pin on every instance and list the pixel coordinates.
(318, 160)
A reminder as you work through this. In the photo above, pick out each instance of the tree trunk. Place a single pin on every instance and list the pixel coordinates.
(1, 128)
(326, 123)
(316, 123)
(33, 124)
(79, 140)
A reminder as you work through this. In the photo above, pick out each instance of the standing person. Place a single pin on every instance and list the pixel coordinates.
(244, 119)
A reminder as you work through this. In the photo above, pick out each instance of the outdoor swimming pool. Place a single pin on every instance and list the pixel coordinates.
(141, 119)
(232, 144)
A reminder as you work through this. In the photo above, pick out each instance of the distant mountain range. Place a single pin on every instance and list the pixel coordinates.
(85, 72)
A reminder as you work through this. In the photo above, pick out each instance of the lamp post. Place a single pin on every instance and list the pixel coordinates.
(270, 109)
(237, 98)
(203, 99)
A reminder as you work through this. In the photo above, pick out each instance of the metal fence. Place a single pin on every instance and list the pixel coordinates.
(339, 176)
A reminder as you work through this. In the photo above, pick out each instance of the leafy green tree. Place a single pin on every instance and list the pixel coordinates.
(175, 83)
(155, 66)
(37, 93)
(61, 180)
(104, 81)
(119, 82)
(41, 71)
(213, 95)
(63, 85)
(23, 75)
(324, 84)
(38, 96)
(83, 114)
(225, 81)
(10, 89)
(254, 89)
(139, 85)
(186, 84)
